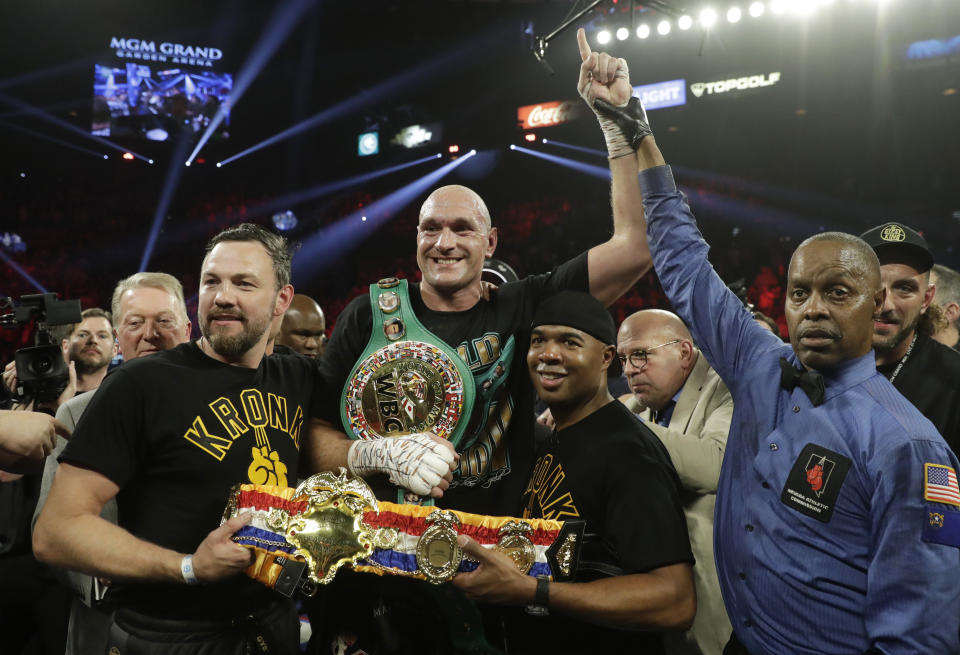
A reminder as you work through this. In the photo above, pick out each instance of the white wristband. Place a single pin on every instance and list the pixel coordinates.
(186, 569)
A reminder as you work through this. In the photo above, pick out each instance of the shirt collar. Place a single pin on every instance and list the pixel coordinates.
(849, 373)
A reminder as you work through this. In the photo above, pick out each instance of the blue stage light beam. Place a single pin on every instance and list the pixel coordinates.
(323, 249)
(284, 19)
(166, 196)
(297, 197)
(570, 146)
(70, 127)
(199, 229)
(34, 76)
(405, 81)
(45, 137)
(601, 172)
(26, 276)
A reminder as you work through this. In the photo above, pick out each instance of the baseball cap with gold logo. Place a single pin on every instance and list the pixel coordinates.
(896, 243)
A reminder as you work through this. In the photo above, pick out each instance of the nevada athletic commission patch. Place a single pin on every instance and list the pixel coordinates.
(402, 388)
(814, 482)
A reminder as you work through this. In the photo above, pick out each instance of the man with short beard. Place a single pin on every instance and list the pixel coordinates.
(91, 347)
(924, 370)
(169, 435)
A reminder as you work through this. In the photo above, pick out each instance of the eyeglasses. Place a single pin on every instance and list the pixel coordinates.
(638, 358)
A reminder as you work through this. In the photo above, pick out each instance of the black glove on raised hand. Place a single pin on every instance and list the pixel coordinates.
(631, 119)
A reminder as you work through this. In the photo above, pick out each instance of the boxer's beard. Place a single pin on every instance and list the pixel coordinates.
(232, 345)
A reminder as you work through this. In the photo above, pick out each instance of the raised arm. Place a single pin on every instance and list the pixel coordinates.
(618, 263)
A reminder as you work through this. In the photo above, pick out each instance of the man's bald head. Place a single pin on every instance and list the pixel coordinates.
(458, 197)
(657, 354)
(855, 252)
(654, 322)
(303, 327)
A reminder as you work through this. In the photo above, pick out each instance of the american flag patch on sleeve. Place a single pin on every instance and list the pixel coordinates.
(940, 484)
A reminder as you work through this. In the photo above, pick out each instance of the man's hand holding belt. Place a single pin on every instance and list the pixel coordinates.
(605, 85)
(422, 463)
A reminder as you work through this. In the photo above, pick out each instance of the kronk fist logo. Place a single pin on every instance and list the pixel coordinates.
(266, 467)
(818, 469)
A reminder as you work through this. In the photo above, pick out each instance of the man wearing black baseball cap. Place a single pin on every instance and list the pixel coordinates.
(924, 371)
(601, 465)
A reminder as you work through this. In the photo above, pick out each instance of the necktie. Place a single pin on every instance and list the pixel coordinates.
(810, 381)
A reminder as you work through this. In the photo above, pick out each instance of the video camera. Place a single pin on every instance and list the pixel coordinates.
(42, 375)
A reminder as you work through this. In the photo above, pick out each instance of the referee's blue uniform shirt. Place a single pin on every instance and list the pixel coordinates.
(830, 533)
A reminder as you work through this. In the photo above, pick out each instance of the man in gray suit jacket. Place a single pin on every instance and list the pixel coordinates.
(689, 408)
(149, 315)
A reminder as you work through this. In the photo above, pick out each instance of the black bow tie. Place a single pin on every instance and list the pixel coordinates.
(811, 382)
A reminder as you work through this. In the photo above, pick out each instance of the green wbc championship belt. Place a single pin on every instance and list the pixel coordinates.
(407, 380)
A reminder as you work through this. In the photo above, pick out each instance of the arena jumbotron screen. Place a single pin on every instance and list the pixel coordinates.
(155, 101)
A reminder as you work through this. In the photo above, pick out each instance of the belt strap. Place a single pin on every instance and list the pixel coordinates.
(301, 537)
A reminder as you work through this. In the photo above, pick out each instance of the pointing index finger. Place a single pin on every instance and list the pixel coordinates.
(583, 45)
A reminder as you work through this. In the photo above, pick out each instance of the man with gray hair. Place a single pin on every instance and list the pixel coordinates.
(168, 436)
(947, 295)
(149, 315)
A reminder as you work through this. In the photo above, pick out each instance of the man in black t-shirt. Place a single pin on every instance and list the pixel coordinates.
(454, 237)
(924, 370)
(601, 465)
(168, 436)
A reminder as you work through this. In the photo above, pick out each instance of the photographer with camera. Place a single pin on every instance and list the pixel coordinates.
(89, 346)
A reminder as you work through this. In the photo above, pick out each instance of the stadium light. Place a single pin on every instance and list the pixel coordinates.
(734, 14)
(643, 31)
(708, 17)
(685, 22)
(603, 37)
(757, 9)
(622, 33)
(663, 27)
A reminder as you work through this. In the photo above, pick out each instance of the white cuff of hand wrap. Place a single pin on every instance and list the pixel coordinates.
(416, 462)
(617, 144)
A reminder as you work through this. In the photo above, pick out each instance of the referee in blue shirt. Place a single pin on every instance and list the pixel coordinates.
(837, 524)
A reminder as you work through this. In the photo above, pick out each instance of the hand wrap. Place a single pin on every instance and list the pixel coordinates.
(629, 122)
(416, 462)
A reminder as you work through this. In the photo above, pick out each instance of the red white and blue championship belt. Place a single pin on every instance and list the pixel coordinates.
(301, 537)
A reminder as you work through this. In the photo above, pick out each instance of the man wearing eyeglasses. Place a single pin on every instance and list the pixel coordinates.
(686, 404)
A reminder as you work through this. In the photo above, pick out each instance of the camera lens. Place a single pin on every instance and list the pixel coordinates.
(41, 366)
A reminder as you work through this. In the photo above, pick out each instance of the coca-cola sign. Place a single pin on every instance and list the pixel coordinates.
(546, 114)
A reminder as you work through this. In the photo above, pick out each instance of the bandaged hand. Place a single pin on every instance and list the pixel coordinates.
(418, 462)
(604, 85)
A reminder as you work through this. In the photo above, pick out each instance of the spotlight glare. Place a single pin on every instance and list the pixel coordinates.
(149, 161)
(128, 156)
(803, 7)
(756, 9)
(603, 37)
(363, 218)
(643, 31)
(685, 22)
(545, 141)
(530, 136)
(778, 6)
(708, 17)
(23, 174)
(513, 147)
(472, 152)
(622, 33)
(219, 163)
(106, 156)
(453, 149)
(734, 14)
(663, 27)
(187, 163)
